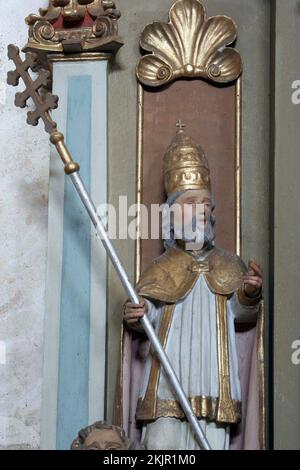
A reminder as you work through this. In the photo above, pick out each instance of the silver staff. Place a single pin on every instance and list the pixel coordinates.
(44, 104)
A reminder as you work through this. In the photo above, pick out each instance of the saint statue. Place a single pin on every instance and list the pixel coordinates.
(196, 296)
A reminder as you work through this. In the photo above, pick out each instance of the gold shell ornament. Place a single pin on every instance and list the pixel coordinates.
(190, 45)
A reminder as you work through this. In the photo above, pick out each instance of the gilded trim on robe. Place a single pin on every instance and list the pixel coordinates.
(149, 402)
(151, 408)
(226, 410)
(172, 276)
(203, 407)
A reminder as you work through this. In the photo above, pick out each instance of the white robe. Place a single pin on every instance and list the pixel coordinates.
(192, 349)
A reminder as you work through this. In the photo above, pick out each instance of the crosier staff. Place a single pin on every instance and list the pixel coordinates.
(44, 104)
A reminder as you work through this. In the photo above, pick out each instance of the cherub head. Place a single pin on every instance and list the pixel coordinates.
(101, 436)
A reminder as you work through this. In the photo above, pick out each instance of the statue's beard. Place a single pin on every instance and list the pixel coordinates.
(202, 236)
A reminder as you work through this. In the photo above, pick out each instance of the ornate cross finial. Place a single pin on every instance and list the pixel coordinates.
(43, 103)
(180, 126)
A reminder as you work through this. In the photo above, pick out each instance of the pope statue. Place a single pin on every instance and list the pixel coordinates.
(195, 294)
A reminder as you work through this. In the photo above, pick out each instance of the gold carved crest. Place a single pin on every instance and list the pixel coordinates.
(75, 26)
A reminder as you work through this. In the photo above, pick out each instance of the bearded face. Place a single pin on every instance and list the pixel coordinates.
(193, 220)
(197, 233)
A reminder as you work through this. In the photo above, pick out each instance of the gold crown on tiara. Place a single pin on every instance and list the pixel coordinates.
(185, 165)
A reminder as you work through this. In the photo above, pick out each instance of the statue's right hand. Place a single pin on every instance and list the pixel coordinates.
(133, 312)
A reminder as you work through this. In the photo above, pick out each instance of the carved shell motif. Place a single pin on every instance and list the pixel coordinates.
(190, 45)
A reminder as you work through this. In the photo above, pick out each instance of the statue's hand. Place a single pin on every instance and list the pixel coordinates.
(253, 279)
(133, 312)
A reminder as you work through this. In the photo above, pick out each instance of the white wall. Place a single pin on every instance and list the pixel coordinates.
(24, 166)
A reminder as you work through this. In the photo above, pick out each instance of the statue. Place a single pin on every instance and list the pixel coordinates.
(101, 436)
(193, 298)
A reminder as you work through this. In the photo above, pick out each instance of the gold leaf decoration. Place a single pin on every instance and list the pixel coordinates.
(73, 36)
(190, 45)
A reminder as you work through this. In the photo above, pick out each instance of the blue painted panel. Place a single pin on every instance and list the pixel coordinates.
(73, 379)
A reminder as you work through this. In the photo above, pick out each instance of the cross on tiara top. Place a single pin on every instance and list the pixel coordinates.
(180, 125)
